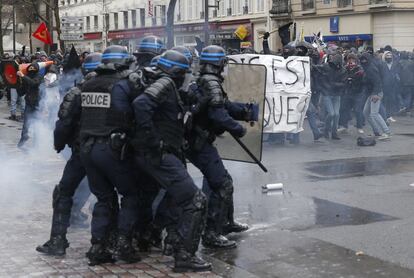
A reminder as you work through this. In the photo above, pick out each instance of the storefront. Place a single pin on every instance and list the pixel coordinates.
(130, 38)
(223, 34)
(93, 41)
(353, 40)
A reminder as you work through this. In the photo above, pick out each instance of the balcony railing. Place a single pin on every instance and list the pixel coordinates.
(344, 3)
(280, 7)
(378, 2)
(308, 5)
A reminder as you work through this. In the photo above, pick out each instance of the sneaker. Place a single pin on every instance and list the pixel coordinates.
(391, 120)
(360, 131)
(342, 130)
(384, 137)
(13, 118)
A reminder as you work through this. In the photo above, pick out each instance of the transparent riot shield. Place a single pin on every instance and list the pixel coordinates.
(244, 83)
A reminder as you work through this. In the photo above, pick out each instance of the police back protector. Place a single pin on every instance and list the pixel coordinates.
(99, 118)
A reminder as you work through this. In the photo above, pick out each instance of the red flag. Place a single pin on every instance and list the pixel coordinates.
(42, 34)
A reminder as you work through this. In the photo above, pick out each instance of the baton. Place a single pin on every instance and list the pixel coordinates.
(246, 149)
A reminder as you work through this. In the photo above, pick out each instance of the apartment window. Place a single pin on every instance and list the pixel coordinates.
(223, 8)
(163, 12)
(95, 22)
(308, 5)
(154, 17)
(115, 21)
(142, 17)
(229, 7)
(134, 18)
(125, 14)
(88, 23)
(260, 5)
(62, 2)
(190, 9)
(106, 21)
(344, 3)
(327, 2)
(377, 2)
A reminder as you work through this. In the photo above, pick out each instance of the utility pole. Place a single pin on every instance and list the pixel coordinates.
(206, 15)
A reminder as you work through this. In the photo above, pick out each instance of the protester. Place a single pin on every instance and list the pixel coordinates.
(30, 88)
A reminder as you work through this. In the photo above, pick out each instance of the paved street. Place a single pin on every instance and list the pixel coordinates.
(345, 211)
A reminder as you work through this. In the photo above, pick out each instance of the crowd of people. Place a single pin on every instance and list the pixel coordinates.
(372, 87)
(133, 121)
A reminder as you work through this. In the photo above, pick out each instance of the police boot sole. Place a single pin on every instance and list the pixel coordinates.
(50, 252)
(222, 247)
(101, 261)
(235, 230)
(183, 269)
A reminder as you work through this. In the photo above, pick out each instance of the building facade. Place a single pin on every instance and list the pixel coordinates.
(351, 22)
(125, 22)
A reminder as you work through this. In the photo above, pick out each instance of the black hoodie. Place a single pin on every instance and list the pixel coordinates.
(372, 80)
(30, 86)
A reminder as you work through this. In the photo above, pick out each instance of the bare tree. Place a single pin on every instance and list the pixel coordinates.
(6, 11)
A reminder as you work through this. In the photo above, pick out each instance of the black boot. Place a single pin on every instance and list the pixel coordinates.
(213, 240)
(235, 227)
(187, 262)
(125, 252)
(98, 254)
(55, 246)
(169, 242)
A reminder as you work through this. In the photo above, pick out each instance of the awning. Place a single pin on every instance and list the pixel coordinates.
(343, 38)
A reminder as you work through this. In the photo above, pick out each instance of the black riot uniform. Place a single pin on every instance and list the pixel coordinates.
(147, 55)
(106, 123)
(213, 118)
(159, 116)
(67, 133)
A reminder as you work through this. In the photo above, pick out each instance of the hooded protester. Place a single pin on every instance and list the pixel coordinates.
(372, 86)
(407, 81)
(354, 97)
(332, 78)
(30, 88)
(390, 75)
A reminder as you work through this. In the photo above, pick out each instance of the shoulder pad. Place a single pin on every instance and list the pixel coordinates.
(69, 101)
(161, 88)
(211, 86)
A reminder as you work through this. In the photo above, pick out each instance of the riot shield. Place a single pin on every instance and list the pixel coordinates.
(244, 83)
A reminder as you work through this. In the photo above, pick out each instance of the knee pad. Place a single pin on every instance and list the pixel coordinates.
(199, 200)
(226, 190)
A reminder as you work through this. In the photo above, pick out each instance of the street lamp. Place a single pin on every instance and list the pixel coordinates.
(206, 9)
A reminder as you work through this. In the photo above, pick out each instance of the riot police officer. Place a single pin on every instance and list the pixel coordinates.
(148, 48)
(159, 117)
(106, 124)
(67, 133)
(212, 119)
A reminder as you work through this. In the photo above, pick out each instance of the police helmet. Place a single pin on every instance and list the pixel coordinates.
(91, 62)
(185, 51)
(154, 61)
(173, 63)
(151, 45)
(213, 55)
(116, 55)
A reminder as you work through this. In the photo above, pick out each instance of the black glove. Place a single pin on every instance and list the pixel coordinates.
(58, 147)
(241, 133)
(266, 35)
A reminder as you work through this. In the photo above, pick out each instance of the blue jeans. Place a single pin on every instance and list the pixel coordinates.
(313, 120)
(14, 100)
(371, 112)
(332, 105)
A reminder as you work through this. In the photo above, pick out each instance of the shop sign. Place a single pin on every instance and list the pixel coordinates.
(334, 24)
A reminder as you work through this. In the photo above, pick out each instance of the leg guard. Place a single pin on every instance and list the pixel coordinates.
(219, 204)
(192, 222)
(62, 205)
